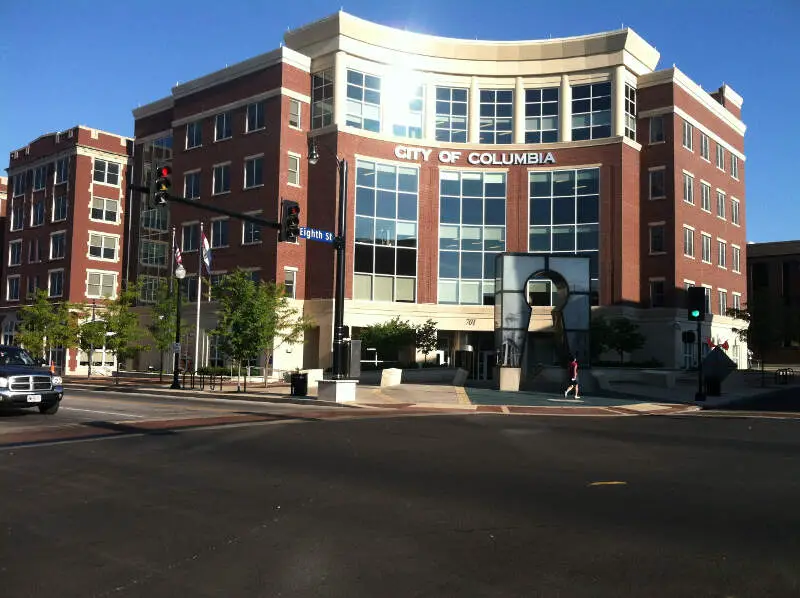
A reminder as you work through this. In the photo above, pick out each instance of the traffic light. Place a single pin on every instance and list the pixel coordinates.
(162, 181)
(696, 304)
(290, 221)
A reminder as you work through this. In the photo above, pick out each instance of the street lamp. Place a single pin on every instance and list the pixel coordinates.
(180, 273)
(339, 247)
(91, 348)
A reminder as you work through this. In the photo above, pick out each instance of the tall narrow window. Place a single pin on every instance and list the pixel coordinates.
(55, 285)
(688, 136)
(39, 177)
(656, 293)
(688, 242)
(723, 302)
(657, 244)
(16, 214)
(385, 260)
(62, 170)
(720, 157)
(735, 211)
(322, 99)
(363, 101)
(19, 184)
(15, 253)
(720, 204)
(705, 249)
(451, 114)
(191, 185)
(735, 257)
(219, 233)
(734, 166)
(190, 236)
(294, 169)
(404, 108)
(705, 196)
(722, 253)
(12, 288)
(496, 116)
(688, 188)
(704, 152)
(658, 188)
(656, 129)
(294, 113)
(194, 134)
(37, 212)
(254, 172)
(290, 282)
(591, 111)
(255, 116)
(541, 115)
(222, 126)
(222, 178)
(630, 112)
(58, 245)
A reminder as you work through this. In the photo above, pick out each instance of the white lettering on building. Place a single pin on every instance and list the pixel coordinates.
(404, 152)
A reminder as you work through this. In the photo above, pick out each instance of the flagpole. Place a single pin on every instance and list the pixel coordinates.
(199, 294)
(173, 262)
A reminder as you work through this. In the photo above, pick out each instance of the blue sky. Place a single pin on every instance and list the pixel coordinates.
(90, 62)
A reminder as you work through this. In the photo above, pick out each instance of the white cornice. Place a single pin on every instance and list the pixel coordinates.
(674, 75)
(280, 55)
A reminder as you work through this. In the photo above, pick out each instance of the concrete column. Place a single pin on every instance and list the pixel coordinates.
(474, 132)
(519, 111)
(565, 110)
(618, 102)
(339, 89)
(429, 117)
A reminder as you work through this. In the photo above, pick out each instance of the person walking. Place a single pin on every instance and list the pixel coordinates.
(572, 370)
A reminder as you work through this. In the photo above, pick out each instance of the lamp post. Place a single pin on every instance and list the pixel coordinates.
(339, 246)
(91, 348)
(180, 273)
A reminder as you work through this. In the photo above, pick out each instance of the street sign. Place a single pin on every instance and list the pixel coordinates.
(315, 234)
(176, 347)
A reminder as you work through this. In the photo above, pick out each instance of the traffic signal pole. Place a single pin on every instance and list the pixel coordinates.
(198, 206)
(700, 396)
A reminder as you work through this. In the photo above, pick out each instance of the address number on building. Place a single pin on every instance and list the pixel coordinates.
(470, 321)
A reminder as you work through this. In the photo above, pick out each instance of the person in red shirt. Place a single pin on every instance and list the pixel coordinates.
(572, 370)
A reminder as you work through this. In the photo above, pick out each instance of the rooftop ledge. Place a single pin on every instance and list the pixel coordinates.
(343, 25)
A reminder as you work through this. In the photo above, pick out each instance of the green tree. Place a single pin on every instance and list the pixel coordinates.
(426, 337)
(123, 332)
(91, 334)
(44, 325)
(623, 336)
(162, 324)
(388, 337)
(254, 317)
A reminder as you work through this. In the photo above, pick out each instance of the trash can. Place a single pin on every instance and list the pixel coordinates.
(298, 384)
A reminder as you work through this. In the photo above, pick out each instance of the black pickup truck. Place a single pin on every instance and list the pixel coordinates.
(25, 383)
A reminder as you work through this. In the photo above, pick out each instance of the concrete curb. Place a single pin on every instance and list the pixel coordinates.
(205, 395)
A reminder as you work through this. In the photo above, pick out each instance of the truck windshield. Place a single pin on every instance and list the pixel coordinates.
(15, 357)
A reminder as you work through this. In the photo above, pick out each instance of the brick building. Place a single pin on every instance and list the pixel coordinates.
(458, 150)
(3, 202)
(773, 272)
(65, 225)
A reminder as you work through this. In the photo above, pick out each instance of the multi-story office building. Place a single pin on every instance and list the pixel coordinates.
(3, 202)
(65, 226)
(459, 150)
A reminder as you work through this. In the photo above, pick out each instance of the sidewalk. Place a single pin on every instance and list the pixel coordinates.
(412, 397)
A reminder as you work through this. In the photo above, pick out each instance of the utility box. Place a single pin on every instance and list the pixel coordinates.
(353, 366)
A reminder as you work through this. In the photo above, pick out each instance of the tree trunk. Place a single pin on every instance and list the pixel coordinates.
(239, 377)
(245, 379)
(161, 369)
(89, 375)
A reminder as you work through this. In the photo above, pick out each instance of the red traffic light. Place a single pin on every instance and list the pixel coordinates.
(164, 171)
(294, 210)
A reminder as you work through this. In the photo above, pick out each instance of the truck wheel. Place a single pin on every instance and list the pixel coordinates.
(49, 409)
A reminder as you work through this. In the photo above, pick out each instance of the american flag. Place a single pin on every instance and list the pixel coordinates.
(178, 258)
(206, 251)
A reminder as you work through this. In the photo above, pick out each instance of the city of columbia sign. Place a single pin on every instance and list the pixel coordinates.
(404, 152)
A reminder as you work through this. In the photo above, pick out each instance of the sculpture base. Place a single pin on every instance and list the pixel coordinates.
(337, 391)
(509, 379)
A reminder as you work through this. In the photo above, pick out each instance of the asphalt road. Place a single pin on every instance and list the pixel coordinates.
(409, 506)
